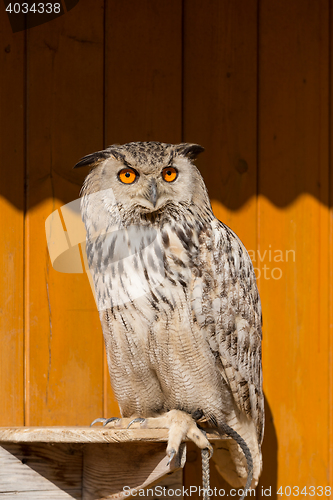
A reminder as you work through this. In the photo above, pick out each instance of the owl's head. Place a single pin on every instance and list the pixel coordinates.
(147, 176)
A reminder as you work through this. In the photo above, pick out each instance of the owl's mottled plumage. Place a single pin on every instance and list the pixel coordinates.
(177, 296)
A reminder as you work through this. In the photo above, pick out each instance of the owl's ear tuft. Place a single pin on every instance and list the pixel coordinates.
(189, 150)
(92, 159)
(95, 158)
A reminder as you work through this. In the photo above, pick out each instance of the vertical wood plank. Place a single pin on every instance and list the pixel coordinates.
(12, 224)
(143, 88)
(65, 121)
(220, 105)
(293, 218)
(143, 71)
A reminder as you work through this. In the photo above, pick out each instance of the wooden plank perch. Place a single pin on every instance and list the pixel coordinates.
(86, 463)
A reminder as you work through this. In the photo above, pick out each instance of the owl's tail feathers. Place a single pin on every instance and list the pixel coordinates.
(239, 460)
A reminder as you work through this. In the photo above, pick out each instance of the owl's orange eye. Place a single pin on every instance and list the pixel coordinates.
(169, 174)
(127, 175)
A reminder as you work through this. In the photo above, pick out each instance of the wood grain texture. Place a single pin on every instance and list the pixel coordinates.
(42, 470)
(293, 217)
(12, 224)
(95, 434)
(64, 355)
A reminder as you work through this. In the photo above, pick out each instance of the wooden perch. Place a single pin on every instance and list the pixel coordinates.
(86, 463)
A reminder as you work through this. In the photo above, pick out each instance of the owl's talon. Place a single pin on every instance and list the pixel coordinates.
(211, 451)
(101, 419)
(139, 419)
(172, 454)
(111, 419)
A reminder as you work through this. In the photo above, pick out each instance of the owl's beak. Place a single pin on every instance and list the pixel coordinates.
(153, 192)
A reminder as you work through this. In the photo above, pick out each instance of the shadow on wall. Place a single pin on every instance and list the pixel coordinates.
(232, 185)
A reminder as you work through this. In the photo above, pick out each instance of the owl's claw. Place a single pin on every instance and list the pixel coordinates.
(112, 419)
(210, 449)
(104, 420)
(139, 419)
(97, 420)
(172, 454)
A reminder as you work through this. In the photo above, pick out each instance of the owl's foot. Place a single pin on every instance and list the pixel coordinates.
(181, 425)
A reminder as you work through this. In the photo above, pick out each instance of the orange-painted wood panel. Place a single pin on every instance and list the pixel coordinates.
(11, 224)
(143, 79)
(64, 347)
(293, 231)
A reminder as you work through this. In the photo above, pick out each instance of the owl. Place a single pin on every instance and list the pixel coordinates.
(178, 301)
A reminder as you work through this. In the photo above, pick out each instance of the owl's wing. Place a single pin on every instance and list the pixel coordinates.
(238, 323)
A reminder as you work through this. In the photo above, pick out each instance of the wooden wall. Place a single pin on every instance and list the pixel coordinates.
(250, 80)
